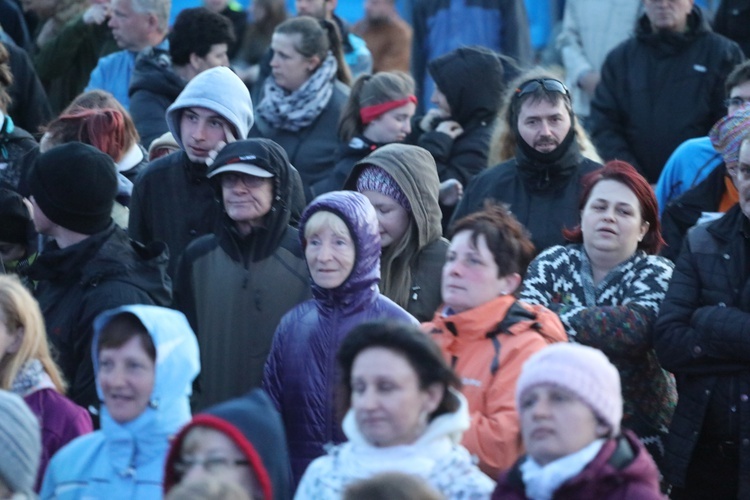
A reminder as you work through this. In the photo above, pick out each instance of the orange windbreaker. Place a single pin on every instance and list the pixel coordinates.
(487, 346)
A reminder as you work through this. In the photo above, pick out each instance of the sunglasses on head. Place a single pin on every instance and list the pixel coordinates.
(549, 84)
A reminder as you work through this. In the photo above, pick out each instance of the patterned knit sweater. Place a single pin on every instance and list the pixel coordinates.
(617, 317)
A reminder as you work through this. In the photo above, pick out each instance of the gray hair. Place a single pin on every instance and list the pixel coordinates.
(160, 8)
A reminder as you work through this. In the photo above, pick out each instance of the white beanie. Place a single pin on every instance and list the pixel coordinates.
(582, 370)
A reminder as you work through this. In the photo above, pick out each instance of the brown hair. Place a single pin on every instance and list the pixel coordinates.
(120, 329)
(316, 38)
(369, 90)
(6, 78)
(507, 239)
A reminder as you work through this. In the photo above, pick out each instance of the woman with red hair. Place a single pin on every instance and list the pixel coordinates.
(607, 288)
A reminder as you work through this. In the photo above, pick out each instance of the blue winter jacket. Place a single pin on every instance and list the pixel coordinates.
(126, 461)
(300, 375)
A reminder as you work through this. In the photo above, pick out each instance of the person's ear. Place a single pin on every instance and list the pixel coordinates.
(313, 62)
(510, 283)
(434, 395)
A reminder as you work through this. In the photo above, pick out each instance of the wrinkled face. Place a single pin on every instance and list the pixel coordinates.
(330, 257)
(668, 15)
(393, 219)
(470, 274)
(376, 10)
(247, 198)
(130, 29)
(215, 57)
(611, 222)
(556, 423)
(742, 178)
(126, 376)
(313, 8)
(543, 125)
(208, 452)
(389, 406)
(201, 131)
(439, 100)
(43, 8)
(10, 339)
(391, 126)
(289, 68)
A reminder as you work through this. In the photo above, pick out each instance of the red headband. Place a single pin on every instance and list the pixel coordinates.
(369, 113)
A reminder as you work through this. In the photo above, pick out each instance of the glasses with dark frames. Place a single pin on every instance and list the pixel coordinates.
(549, 84)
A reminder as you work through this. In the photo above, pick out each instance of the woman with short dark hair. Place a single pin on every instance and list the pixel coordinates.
(485, 332)
(404, 413)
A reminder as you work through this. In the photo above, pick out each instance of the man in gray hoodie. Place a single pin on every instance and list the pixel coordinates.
(172, 199)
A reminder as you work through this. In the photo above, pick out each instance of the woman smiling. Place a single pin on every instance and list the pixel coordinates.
(145, 400)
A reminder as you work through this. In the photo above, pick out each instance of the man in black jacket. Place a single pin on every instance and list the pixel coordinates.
(542, 183)
(662, 86)
(89, 265)
(703, 337)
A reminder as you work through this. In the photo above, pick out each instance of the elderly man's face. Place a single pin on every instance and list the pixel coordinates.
(668, 15)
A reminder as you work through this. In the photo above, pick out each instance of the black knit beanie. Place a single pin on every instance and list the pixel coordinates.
(75, 186)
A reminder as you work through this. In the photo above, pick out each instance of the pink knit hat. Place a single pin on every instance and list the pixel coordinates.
(582, 370)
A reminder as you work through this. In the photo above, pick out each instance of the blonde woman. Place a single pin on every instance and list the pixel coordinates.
(27, 369)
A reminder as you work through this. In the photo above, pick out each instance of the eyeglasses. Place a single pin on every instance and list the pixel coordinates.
(735, 102)
(229, 179)
(549, 84)
(211, 464)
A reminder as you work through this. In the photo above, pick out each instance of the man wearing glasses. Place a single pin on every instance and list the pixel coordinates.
(661, 86)
(702, 337)
(542, 183)
(696, 158)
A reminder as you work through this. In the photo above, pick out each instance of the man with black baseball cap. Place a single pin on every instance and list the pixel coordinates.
(234, 286)
(89, 264)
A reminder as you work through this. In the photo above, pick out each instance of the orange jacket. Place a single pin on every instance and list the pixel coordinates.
(487, 346)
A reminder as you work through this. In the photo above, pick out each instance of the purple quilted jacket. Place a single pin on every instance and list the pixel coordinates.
(301, 374)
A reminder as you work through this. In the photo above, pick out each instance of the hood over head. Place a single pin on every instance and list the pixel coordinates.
(219, 90)
(255, 427)
(414, 170)
(177, 364)
(456, 74)
(267, 156)
(360, 218)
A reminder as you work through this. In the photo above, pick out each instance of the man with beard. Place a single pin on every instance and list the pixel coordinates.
(542, 183)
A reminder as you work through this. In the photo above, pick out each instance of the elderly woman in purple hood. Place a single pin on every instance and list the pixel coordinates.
(340, 237)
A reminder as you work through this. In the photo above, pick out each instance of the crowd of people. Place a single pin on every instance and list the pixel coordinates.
(259, 254)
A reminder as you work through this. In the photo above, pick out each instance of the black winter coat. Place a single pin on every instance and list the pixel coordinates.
(173, 201)
(473, 106)
(703, 334)
(77, 283)
(658, 90)
(683, 212)
(154, 86)
(543, 196)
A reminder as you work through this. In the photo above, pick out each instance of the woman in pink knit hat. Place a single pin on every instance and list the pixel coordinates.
(570, 404)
